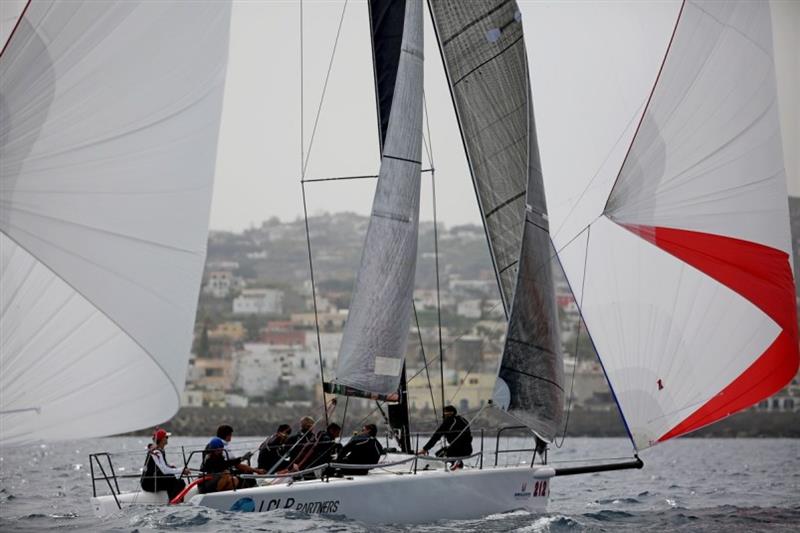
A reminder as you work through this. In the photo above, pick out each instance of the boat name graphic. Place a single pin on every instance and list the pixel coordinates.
(314, 507)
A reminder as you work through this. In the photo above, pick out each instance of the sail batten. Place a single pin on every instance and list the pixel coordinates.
(373, 346)
(483, 49)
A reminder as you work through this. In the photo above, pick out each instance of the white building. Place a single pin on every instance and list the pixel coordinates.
(469, 308)
(220, 283)
(260, 367)
(258, 302)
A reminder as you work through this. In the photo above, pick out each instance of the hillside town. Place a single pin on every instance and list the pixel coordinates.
(263, 331)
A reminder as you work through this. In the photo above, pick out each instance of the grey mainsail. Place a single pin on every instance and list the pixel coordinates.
(374, 340)
(484, 53)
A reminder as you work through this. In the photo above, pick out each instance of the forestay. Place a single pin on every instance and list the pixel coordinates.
(684, 277)
(484, 52)
(109, 115)
(374, 339)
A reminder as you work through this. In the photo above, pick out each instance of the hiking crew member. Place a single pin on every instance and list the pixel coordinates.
(222, 469)
(298, 445)
(363, 449)
(272, 450)
(322, 452)
(455, 430)
(159, 475)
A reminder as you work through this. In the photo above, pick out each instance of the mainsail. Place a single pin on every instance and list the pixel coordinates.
(109, 115)
(684, 278)
(374, 339)
(484, 53)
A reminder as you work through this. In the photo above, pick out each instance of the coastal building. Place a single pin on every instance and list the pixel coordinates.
(261, 367)
(466, 391)
(327, 321)
(258, 302)
(234, 331)
(220, 283)
(469, 309)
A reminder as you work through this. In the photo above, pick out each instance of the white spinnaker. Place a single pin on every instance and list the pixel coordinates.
(110, 115)
(706, 160)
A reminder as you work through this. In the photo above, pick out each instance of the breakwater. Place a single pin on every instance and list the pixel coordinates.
(262, 421)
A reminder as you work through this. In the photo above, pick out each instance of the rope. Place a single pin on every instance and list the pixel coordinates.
(577, 353)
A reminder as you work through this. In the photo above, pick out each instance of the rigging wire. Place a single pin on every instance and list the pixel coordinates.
(303, 162)
(577, 345)
(424, 359)
(324, 86)
(438, 296)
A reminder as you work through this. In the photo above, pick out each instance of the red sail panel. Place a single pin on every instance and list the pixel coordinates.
(763, 276)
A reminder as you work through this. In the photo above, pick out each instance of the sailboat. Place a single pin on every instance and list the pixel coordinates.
(689, 304)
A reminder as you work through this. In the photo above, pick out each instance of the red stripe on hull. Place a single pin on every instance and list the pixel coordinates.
(763, 276)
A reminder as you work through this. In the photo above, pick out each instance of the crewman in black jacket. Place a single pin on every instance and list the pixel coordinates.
(363, 449)
(272, 450)
(455, 430)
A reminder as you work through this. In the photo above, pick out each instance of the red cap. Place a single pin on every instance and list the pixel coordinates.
(160, 434)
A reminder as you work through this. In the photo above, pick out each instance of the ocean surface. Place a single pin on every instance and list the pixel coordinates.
(686, 484)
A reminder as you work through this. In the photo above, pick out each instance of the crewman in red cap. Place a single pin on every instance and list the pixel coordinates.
(158, 474)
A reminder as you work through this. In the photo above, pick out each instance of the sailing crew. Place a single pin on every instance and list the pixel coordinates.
(362, 449)
(325, 447)
(272, 450)
(222, 471)
(159, 475)
(455, 430)
(304, 440)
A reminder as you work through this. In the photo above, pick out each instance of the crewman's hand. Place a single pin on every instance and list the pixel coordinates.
(186, 472)
(294, 468)
(260, 471)
(423, 451)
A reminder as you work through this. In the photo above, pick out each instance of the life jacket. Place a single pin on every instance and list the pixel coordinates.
(152, 474)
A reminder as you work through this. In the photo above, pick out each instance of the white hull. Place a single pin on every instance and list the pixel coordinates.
(389, 497)
(107, 505)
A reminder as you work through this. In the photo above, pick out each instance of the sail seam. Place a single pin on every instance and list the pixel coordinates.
(532, 223)
(508, 266)
(391, 216)
(402, 159)
(517, 371)
(531, 345)
(510, 200)
(498, 54)
(476, 21)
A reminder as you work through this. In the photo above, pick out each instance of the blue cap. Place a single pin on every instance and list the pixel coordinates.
(216, 444)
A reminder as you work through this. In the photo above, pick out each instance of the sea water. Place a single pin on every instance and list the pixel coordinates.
(686, 484)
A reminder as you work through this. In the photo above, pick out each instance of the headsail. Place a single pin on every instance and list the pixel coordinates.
(484, 52)
(109, 115)
(374, 340)
(687, 281)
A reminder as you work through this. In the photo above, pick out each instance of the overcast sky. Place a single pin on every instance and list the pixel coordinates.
(616, 46)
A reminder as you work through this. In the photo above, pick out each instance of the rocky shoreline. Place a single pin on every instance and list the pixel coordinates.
(257, 421)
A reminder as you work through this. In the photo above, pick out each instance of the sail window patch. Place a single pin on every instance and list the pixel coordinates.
(388, 366)
(493, 35)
